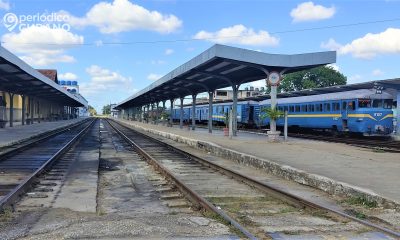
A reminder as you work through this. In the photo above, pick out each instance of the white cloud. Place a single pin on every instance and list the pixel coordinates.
(369, 46)
(154, 76)
(104, 81)
(308, 11)
(4, 5)
(169, 51)
(158, 62)
(334, 66)
(355, 78)
(331, 44)
(67, 76)
(41, 45)
(123, 16)
(377, 72)
(239, 34)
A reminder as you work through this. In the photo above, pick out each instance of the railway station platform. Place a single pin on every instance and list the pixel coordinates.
(333, 167)
(19, 133)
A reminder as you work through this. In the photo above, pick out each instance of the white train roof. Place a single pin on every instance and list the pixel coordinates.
(222, 104)
(360, 93)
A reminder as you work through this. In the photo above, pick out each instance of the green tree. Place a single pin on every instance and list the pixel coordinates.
(107, 109)
(318, 77)
(92, 111)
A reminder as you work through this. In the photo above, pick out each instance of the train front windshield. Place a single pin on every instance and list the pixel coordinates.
(375, 103)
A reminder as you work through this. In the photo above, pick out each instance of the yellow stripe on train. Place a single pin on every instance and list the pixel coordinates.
(314, 115)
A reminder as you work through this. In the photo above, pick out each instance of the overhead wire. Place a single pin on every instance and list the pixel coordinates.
(100, 43)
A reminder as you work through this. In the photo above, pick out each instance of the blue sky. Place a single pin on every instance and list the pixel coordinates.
(86, 43)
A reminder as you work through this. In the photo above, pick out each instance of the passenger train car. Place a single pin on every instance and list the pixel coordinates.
(247, 113)
(358, 111)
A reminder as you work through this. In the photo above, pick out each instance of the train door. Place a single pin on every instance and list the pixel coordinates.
(251, 115)
(344, 110)
(199, 117)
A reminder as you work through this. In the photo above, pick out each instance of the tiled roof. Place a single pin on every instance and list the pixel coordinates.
(50, 73)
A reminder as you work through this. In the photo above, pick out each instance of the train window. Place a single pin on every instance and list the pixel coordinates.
(344, 105)
(318, 107)
(327, 107)
(377, 103)
(352, 105)
(336, 106)
(311, 107)
(291, 108)
(387, 103)
(304, 108)
(285, 108)
(364, 103)
(297, 108)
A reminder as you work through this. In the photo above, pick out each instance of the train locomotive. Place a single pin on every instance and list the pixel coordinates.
(360, 111)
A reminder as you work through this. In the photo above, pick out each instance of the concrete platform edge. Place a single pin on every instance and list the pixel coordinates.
(323, 183)
(11, 144)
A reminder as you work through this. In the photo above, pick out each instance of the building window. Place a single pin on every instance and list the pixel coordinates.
(222, 93)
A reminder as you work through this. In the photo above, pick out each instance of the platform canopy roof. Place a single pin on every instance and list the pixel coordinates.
(387, 85)
(18, 77)
(223, 66)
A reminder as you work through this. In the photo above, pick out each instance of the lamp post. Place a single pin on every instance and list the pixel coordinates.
(273, 80)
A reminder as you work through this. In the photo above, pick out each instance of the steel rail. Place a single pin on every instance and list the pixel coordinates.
(265, 187)
(37, 140)
(192, 195)
(16, 193)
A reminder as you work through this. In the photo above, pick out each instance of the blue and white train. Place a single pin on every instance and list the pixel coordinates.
(358, 111)
(247, 113)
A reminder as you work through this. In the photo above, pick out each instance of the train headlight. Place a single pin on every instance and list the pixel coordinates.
(360, 119)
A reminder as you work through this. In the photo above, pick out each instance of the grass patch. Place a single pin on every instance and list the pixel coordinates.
(6, 214)
(220, 219)
(101, 212)
(360, 215)
(361, 201)
(287, 210)
(378, 150)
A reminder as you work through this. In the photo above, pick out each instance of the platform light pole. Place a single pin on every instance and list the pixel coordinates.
(274, 79)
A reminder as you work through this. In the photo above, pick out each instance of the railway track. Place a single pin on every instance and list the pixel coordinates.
(22, 168)
(387, 145)
(256, 209)
(375, 144)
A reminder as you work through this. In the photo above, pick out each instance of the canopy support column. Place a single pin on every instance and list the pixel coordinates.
(194, 111)
(23, 109)
(32, 109)
(398, 113)
(157, 112)
(210, 110)
(11, 109)
(171, 111)
(181, 114)
(38, 110)
(235, 89)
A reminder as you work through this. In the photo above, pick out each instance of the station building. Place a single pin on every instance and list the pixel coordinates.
(28, 95)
